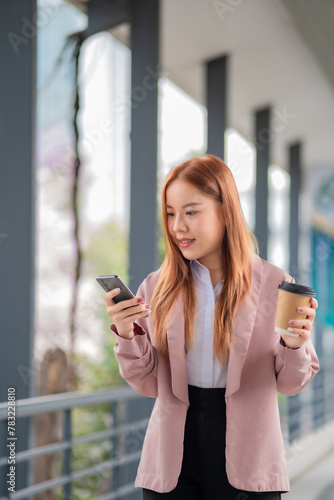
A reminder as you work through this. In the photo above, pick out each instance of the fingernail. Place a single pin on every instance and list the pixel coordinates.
(139, 300)
(290, 329)
(116, 290)
(291, 322)
(300, 309)
(148, 307)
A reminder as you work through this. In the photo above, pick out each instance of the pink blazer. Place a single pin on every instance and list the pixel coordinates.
(259, 366)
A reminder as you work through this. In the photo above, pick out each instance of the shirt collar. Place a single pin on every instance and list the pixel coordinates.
(200, 271)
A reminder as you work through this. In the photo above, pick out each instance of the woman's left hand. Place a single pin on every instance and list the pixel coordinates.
(302, 327)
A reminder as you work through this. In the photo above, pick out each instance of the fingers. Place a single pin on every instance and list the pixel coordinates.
(305, 324)
(134, 313)
(303, 327)
(108, 298)
(110, 295)
(120, 309)
(302, 333)
(309, 311)
(125, 311)
(125, 317)
(314, 303)
(129, 314)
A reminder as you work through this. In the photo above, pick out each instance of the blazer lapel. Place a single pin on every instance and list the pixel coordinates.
(177, 353)
(242, 327)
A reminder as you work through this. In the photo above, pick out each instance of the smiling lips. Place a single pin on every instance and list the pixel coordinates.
(184, 243)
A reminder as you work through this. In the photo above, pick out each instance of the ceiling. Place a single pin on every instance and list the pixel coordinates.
(315, 22)
(281, 53)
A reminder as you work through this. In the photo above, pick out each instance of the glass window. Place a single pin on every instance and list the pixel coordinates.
(182, 126)
(240, 156)
(55, 91)
(278, 216)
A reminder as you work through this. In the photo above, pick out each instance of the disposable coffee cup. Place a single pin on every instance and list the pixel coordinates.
(291, 296)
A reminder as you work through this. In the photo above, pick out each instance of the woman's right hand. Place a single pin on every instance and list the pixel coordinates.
(123, 317)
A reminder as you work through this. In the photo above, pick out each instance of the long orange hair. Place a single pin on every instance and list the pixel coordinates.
(210, 175)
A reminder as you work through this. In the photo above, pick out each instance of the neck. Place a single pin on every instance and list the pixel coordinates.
(212, 265)
(216, 275)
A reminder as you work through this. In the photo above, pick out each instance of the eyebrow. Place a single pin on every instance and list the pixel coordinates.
(186, 205)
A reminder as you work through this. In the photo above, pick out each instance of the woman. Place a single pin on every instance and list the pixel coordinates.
(200, 339)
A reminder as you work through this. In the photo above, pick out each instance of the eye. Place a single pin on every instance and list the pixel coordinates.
(191, 212)
(169, 214)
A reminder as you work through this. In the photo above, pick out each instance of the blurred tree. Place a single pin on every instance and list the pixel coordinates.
(107, 253)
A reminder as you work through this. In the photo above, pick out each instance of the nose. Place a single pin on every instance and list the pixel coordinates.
(179, 224)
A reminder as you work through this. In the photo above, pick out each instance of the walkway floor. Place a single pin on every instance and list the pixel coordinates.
(316, 484)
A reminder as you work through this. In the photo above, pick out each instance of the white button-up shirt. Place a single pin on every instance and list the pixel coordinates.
(203, 366)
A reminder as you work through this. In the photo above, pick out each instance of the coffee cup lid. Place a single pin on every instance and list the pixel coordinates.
(295, 288)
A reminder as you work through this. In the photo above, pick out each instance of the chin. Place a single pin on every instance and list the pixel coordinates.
(190, 255)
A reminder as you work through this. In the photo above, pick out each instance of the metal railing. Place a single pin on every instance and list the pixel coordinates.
(112, 469)
(313, 408)
(300, 415)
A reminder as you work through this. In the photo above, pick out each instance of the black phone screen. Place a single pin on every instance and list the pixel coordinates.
(110, 282)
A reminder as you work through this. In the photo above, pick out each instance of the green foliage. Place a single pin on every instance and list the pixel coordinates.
(107, 252)
(90, 421)
(102, 374)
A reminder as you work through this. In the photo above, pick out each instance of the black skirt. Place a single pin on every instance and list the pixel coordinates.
(203, 472)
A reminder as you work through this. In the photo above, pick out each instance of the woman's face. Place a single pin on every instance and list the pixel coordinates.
(195, 223)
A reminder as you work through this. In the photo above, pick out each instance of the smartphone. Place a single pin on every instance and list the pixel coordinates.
(113, 281)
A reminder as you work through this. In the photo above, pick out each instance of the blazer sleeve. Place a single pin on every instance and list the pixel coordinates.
(137, 358)
(295, 367)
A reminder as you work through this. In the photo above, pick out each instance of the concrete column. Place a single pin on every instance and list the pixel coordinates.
(143, 243)
(262, 144)
(318, 384)
(216, 98)
(294, 152)
(295, 187)
(17, 206)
